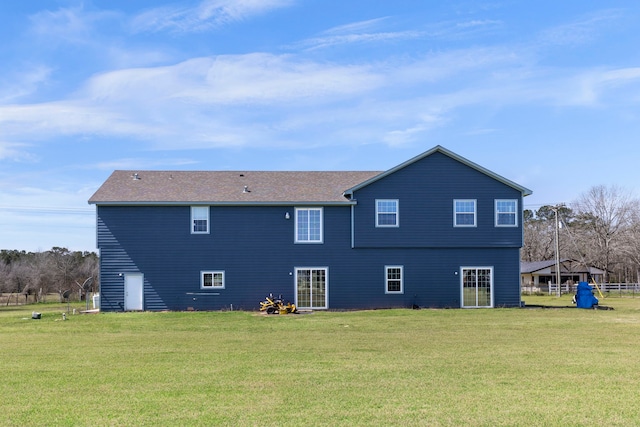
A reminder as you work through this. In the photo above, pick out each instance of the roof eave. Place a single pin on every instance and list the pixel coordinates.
(220, 203)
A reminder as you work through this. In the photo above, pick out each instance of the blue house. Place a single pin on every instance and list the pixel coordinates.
(435, 231)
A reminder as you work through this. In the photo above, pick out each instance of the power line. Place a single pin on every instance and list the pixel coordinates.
(52, 210)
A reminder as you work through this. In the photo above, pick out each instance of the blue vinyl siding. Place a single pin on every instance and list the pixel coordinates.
(426, 190)
(256, 247)
(259, 257)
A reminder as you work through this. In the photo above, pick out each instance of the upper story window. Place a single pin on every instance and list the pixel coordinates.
(308, 225)
(464, 213)
(387, 213)
(506, 213)
(199, 219)
(393, 279)
(212, 280)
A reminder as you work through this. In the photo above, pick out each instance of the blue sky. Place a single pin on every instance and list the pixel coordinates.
(544, 93)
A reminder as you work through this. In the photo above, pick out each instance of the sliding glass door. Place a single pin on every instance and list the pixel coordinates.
(311, 288)
(477, 290)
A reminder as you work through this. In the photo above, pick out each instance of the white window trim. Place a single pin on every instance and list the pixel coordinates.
(212, 272)
(397, 224)
(193, 209)
(309, 208)
(386, 279)
(475, 213)
(515, 213)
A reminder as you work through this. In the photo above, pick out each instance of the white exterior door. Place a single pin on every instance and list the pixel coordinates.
(133, 291)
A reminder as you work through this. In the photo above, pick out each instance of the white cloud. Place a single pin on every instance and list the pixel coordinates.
(206, 15)
(587, 88)
(233, 79)
(357, 27)
(457, 30)
(598, 86)
(334, 40)
(131, 163)
(268, 78)
(51, 120)
(472, 65)
(581, 30)
(621, 75)
(410, 134)
(368, 31)
(68, 25)
(478, 23)
(130, 57)
(14, 152)
(23, 83)
(263, 99)
(371, 31)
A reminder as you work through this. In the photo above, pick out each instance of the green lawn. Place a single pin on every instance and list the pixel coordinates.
(484, 367)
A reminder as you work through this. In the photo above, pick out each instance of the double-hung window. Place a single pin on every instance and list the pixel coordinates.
(464, 213)
(212, 280)
(199, 219)
(506, 213)
(308, 225)
(393, 279)
(387, 213)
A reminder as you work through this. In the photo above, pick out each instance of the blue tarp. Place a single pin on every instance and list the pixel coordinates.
(584, 296)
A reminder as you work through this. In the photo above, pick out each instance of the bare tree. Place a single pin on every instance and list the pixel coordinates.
(18, 277)
(64, 264)
(631, 245)
(40, 273)
(604, 214)
(539, 233)
(87, 267)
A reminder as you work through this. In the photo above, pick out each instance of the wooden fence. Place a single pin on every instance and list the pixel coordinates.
(604, 287)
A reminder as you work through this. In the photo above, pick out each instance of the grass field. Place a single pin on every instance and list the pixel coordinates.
(486, 367)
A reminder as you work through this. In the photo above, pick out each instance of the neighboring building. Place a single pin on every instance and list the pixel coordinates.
(538, 275)
(435, 231)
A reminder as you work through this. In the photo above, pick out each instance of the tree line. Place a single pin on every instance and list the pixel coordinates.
(601, 229)
(33, 275)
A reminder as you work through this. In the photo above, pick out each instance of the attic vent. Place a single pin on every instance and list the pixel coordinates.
(246, 189)
(136, 177)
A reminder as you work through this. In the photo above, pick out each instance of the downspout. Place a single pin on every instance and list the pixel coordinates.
(353, 235)
(349, 195)
(521, 206)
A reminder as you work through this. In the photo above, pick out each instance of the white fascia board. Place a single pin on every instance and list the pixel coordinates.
(209, 203)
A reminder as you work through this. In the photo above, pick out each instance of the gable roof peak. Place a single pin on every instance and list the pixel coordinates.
(440, 149)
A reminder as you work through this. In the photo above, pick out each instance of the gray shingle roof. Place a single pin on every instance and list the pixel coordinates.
(227, 187)
(530, 267)
(568, 265)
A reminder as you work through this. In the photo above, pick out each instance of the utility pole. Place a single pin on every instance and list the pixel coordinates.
(558, 276)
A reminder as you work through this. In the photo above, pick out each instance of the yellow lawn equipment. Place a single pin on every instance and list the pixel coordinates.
(597, 287)
(277, 305)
